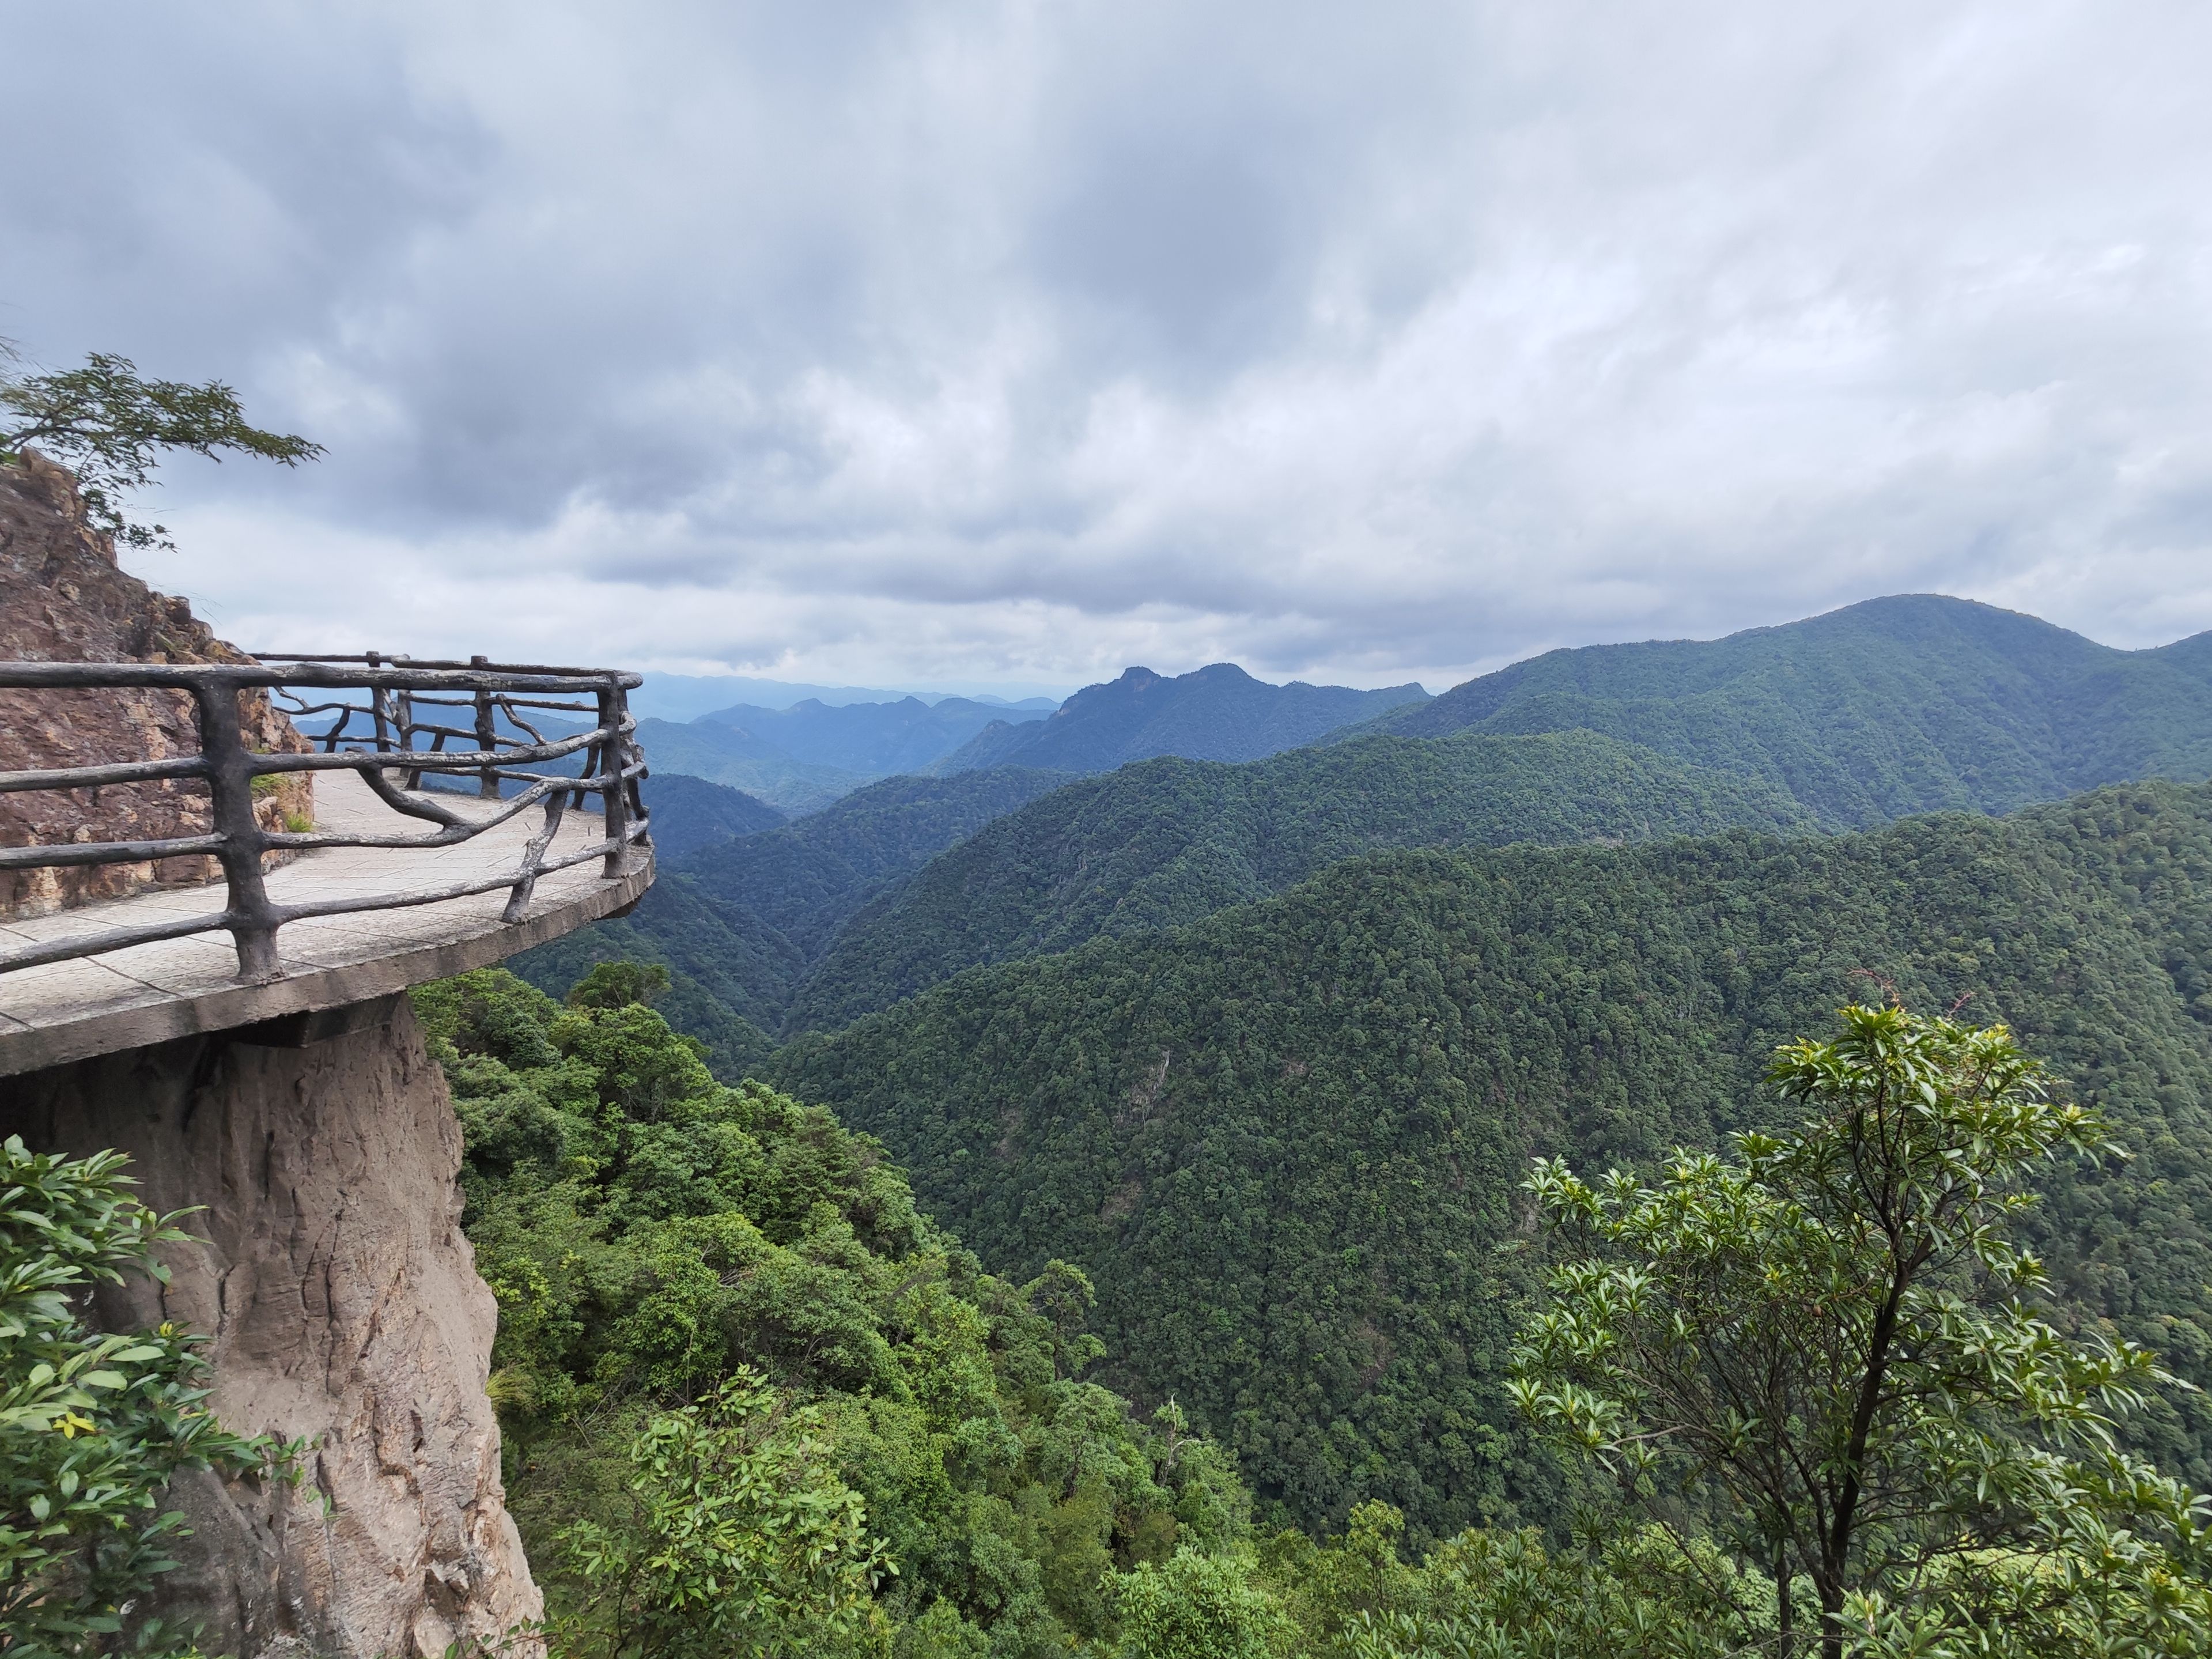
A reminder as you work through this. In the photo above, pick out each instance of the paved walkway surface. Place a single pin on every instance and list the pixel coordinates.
(175, 987)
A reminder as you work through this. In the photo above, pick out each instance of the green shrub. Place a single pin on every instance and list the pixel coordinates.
(1198, 1607)
(738, 1538)
(93, 1426)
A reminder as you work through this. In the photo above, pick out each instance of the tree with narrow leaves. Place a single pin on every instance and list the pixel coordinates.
(109, 425)
(1829, 1344)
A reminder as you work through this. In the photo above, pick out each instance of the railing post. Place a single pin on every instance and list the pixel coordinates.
(634, 788)
(376, 704)
(252, 919)
(487, 737)
(403, 702)
(614, 791)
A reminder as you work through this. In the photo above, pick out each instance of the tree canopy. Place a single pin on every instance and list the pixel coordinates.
(109, 424)
(721, 1313)
(1286, 1143)
(1830, 1343)
(757, 1403)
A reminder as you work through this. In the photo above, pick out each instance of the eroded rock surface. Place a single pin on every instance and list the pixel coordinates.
(346, 1311)
(62, 598)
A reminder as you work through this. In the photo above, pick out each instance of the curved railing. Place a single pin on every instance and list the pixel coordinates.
(401, 736)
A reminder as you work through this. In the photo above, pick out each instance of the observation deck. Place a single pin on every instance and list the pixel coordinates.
(396, 880)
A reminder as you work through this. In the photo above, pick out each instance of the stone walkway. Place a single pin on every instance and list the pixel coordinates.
(151, 993)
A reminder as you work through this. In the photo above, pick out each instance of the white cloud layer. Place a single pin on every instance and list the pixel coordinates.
(891, 342)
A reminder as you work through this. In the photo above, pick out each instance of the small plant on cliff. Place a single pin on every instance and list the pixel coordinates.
(93, 1426)
(108, 424)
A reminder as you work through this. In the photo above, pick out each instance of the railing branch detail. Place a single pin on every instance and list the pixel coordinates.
(399, 739)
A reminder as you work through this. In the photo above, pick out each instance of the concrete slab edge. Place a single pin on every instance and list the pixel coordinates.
(310, 989)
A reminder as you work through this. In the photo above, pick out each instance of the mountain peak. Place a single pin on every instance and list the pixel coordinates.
(1220, 712)
(1907, 703)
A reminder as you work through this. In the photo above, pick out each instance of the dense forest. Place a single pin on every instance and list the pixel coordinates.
(724, 1325)
(1912, 703)
(1286, 1141)
(689, 813)
(648, 1231)
(755, 1402)
(1167, 842)
(739, 921)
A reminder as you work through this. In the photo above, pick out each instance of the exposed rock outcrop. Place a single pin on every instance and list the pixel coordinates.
(62, 598)
(345, 1309)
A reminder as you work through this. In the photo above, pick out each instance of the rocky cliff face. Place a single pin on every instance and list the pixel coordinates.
(346, 1311)
(62, 598)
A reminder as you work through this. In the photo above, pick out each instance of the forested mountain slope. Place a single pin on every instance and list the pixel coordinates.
(647, 1231)
(1220, 713)
(1914, 704)
(729, 755)
(1286, 1141)
(739, 920)
(689, 813)
(1167, 842)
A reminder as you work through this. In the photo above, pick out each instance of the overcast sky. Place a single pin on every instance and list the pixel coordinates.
(914, 343)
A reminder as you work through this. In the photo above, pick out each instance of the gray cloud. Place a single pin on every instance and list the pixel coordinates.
(901, 341)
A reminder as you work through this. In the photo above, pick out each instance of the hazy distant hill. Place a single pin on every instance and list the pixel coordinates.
(1168, 840)
(687, 696)
(689, 812)
(732, 756)
(803, 756)
(1898, 705)
(872, 739)
(740, 920)
(1219, 713)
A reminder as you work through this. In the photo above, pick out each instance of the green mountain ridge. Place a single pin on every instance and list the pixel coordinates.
(689, 813)
(734, 758)
(1286, 1141)
(739, 920)
(1163, 842)
(1911, 703)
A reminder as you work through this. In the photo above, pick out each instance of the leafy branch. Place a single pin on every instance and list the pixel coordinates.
(109, 425)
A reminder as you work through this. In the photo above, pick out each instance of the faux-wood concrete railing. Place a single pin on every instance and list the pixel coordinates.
(400, 733)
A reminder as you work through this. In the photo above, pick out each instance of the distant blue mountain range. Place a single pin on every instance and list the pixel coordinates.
(800, 755)
(1218, 713)
(687, 696)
